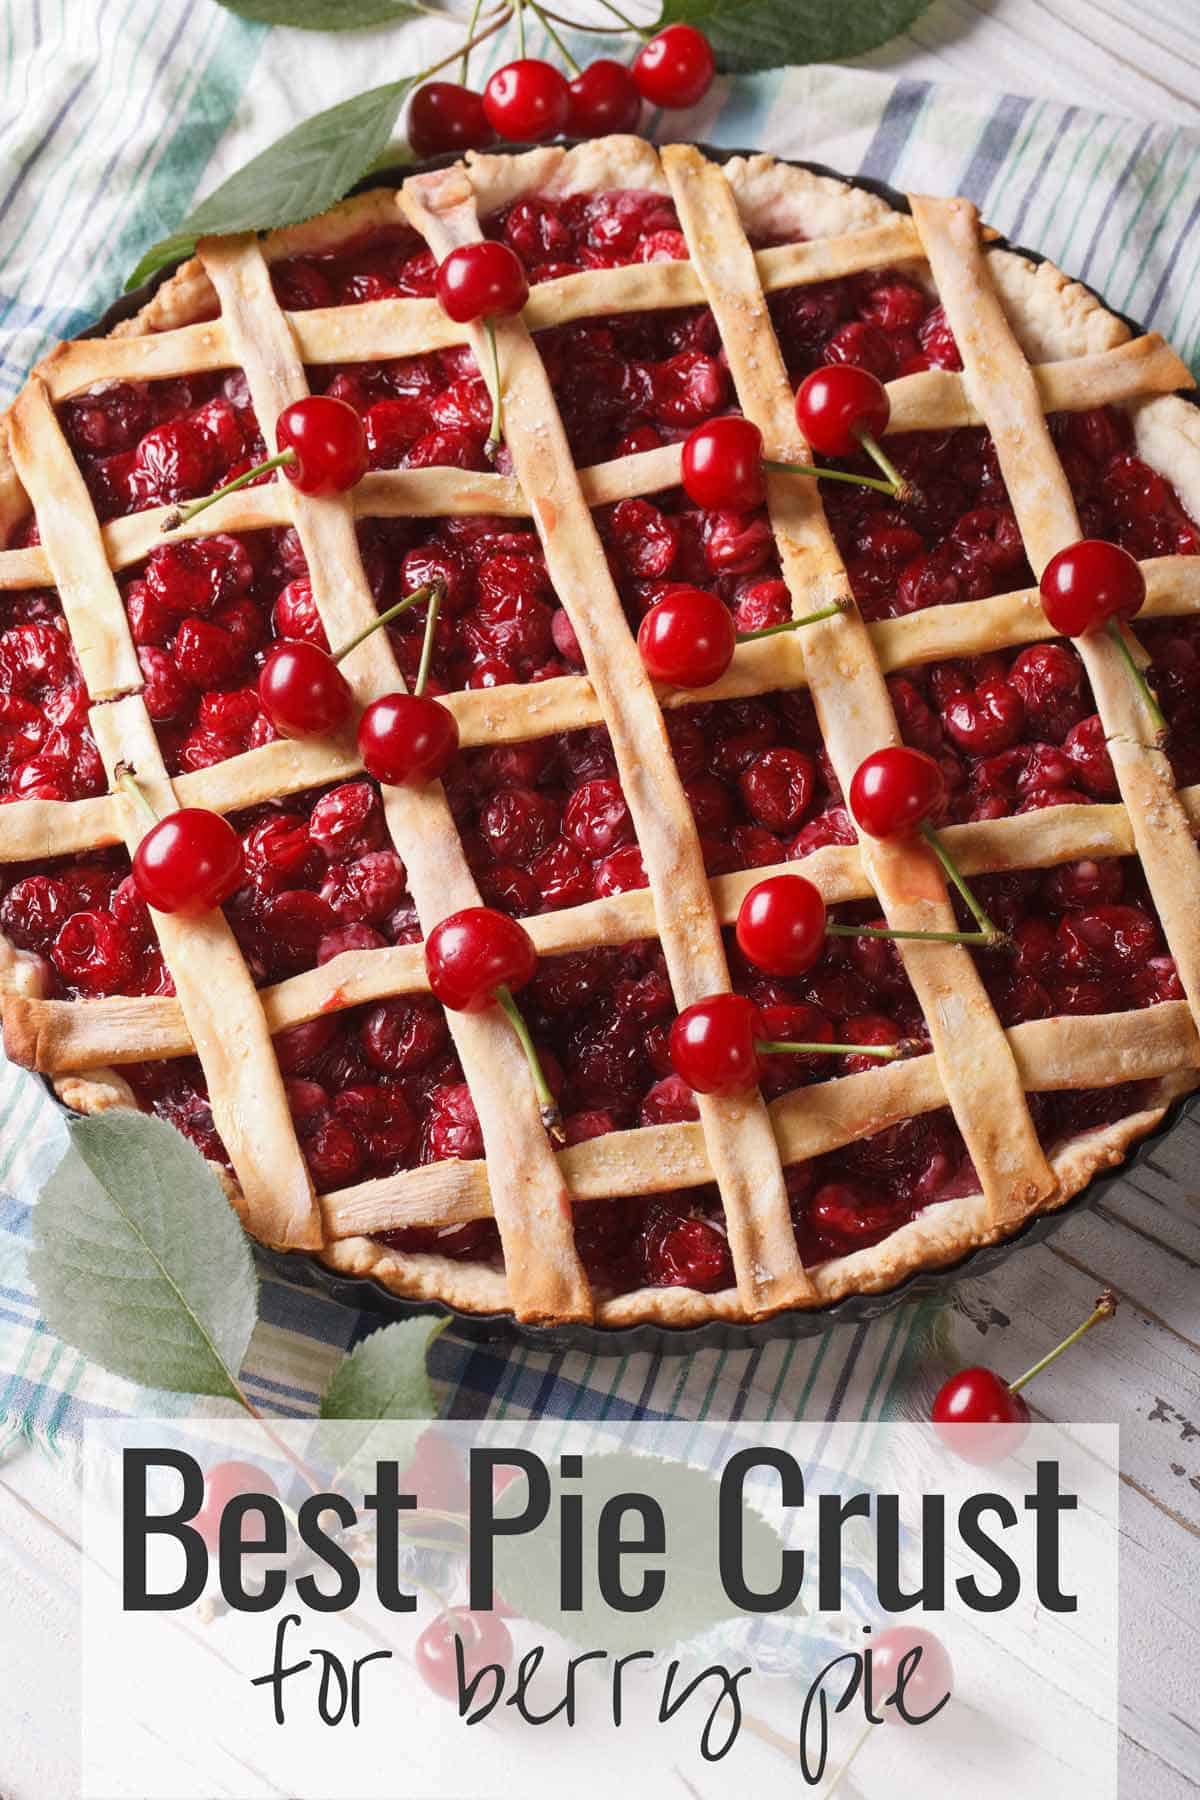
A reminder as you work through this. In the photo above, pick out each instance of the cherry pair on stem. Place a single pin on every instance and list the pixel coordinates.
(403, 739)
(716, 1045)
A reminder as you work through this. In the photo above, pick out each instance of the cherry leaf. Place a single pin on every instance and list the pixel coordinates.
(139, 1260)
(302, 174)
(324, 15)
(386, 1377)
(765, 34)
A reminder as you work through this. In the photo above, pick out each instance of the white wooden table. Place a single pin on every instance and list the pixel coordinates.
(1135, 56)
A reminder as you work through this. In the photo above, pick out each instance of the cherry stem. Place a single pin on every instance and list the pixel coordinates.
(882, 1052)
(435, 602)
(520, 28)
(927, 937)
(182, 514)
(495, 435)
(1157, 716)
(126, 781)
(577, 25)
(1106, 1306)
(466, 49)
(812, 618)
(551, 1117)
(432, 590)
(991, 934)
(643, 31)
(896, 488)
(901, 488)
(554, 37)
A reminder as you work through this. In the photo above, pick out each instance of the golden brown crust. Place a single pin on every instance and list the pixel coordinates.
(221, 314)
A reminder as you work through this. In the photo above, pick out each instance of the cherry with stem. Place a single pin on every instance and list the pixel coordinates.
(687, 639)
(842, 409)
(408, 739)
(322, 449)
(300, 686)
(983, 1418)
(1095, 586)
(480, 283)
(722, 464)
(716, 1045)
(189, 861)
(892, 795)
(782, 926)
(474, 959)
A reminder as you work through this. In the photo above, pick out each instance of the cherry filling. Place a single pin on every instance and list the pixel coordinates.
(1085, 939)
(47, 751)
(1013, 731)
(85, 921)
(379, 265)
(154, 443)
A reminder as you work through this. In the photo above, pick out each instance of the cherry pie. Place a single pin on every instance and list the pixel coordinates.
(292, 1035)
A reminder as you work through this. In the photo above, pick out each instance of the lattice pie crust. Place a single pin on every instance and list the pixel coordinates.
(1031, 340)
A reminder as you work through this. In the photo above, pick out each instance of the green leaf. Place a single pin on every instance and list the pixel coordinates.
(301, 175)
(386, 1377)
(383, 1381)
(324, 15)
(140, 1261)
(765, 34)
(528, 1567)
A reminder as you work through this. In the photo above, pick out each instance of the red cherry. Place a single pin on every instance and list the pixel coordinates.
(407, 739)
(472, 953)
(676, 68)
(840, 404)
(604, 97)
(978, 1416)
(687, 639)
(894, 790)
(329, 442)
(1089, 583)
(485, 1639)
(527, 101)
(442, 115)
(303, 692)
(226, 1481)
(928, 1679)
(983, 1418)
(712, 1045)
(781, 925)
(723, 465)
(481, 281)
(189, 862)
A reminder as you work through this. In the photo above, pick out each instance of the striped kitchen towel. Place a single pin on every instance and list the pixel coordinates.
(115, 119)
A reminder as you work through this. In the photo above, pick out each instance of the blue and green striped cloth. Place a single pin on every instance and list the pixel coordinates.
(113, 120)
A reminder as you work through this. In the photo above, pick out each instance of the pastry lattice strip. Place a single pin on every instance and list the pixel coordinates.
(855, 712)
(532, 1210)
(1002, 384)
(741, 1147)
(933, 401)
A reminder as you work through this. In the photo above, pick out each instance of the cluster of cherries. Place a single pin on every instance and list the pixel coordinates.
(529, 100)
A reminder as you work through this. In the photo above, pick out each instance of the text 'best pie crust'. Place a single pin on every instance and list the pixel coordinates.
(292, 1035)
